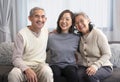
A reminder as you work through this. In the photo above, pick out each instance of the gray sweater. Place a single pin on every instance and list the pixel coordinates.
(62, 49)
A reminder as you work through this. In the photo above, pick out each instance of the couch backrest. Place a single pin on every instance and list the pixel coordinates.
(6, 50)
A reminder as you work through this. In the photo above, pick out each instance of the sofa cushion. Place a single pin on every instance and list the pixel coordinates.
(0, 78)
(115, 77)
(4, 70)
(6, 50)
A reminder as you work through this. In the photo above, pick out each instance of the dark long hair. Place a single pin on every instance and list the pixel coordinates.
(71, 30)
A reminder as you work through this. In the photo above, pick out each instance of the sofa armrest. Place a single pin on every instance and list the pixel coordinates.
(115, 49)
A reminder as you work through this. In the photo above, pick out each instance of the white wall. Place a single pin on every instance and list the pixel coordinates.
(97, 10)
(100, 13)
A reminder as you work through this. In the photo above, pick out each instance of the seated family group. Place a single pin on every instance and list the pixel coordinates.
(86, 51)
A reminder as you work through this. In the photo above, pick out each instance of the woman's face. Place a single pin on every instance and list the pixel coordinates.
(65, 22)
(82, 24)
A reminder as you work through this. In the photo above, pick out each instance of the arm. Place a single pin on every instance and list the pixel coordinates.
(18, 61)
(18, 53)
(76, 56)
(104, 50)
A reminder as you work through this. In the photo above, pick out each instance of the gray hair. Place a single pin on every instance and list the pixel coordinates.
(32, 11)
(83, 14)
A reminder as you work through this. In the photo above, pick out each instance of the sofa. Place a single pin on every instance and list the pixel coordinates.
(6, 50)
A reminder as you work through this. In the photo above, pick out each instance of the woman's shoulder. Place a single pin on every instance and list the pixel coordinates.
(52, 34)
(75, 35)
(97, 31)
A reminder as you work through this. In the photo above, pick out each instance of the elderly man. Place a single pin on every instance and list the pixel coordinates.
(30, 51)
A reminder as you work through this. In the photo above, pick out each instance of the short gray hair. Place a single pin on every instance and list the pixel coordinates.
(83, 14)
(32, 11)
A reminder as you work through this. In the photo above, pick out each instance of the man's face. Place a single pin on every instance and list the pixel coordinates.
(38, 19)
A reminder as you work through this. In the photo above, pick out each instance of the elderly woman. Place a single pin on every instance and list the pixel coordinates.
(94, 51)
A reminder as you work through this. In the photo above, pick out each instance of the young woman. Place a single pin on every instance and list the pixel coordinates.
(62, 45)
(94, 64)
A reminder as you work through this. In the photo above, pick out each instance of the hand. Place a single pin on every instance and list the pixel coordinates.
(91, 70)
(31, 75)
(54, 31)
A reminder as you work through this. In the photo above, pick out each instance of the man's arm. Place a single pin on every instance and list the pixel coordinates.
(18, 61)
(18, 53)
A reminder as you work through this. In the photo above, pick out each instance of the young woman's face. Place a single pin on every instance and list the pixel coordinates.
(65, 22)
(82, 23)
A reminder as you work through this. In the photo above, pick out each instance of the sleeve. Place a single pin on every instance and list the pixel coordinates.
(47, 49)
(18, 53)
(104, 50)
(49, 42)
